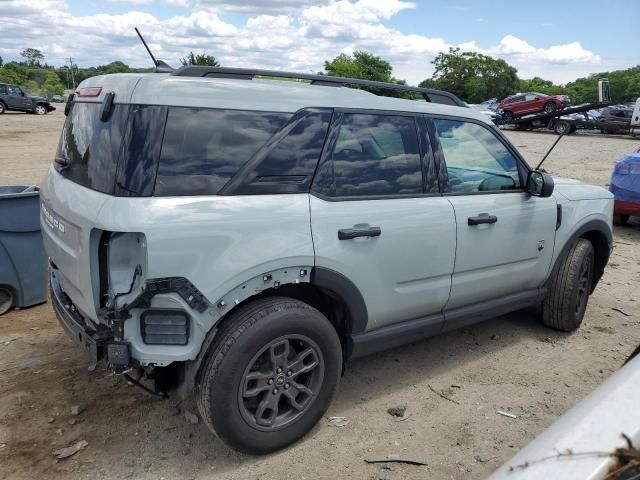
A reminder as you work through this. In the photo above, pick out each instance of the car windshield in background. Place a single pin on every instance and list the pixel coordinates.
(89, 149)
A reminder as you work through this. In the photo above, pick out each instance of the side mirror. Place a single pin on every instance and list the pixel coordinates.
(539, 184)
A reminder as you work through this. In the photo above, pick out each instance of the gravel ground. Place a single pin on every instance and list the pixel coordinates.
(452, 385)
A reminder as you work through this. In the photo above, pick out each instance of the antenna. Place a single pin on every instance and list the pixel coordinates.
(155, 62)
(547, 154)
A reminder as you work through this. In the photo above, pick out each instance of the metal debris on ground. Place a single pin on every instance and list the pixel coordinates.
(396, 460)
(338, 421)
(506, 414)
(70, 451)
(619, 310)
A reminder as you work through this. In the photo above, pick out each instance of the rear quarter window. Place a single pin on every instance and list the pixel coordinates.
(203, 148)
(90, 147)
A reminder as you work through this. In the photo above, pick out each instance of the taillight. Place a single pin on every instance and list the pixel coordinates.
(89, 92)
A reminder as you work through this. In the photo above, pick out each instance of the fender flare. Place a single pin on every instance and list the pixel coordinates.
(346, 292)
(596, 225)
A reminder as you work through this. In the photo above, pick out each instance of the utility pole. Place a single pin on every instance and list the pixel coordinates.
(73, 79)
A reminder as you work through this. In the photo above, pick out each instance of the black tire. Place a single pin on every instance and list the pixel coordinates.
(3, 108)
(562, 128)
(6, 300)
(40, 109)
(621, 219)
(550, 107)
(566, 301)
(507, 117)
(251, 336)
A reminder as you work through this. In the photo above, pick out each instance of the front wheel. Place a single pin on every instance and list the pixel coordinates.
(40, 110)
(621, 219)
(550, 107)
(271, 375)
(566, 301)
(507, 117)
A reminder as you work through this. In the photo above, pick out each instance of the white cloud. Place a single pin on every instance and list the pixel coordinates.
(295, 35)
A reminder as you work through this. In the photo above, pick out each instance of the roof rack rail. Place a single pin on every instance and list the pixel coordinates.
(430, 95)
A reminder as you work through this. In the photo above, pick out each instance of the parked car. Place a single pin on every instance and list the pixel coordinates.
(12, 97)
(491, 104)
(625, 186)
(528, 103)
(615, 119)
(243, 238)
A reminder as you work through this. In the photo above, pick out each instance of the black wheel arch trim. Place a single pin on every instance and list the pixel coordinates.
(346, 292)
(602, 251)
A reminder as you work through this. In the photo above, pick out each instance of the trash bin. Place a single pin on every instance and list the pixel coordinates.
(23, 262)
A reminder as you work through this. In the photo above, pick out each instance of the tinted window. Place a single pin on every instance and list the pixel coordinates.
(14, 90)
(3, 89)
(137, 172)
(476, 159)
(203, 149)
(287, 162)
(373, 155)
(92, 147)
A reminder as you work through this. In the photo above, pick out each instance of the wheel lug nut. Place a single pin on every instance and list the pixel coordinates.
(270, 382)
(279, 370)
(289, 373)
(275, 390)
(286, 386)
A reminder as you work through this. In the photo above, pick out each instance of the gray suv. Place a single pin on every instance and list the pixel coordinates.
(12, 97)
(227, 233)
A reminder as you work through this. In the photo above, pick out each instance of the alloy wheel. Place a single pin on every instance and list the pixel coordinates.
(280, 382)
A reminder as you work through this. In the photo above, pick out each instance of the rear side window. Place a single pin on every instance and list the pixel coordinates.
(91, 148)
(477, 161)
(287, 162)
(203, 148)
(3, 89)
(373, 155)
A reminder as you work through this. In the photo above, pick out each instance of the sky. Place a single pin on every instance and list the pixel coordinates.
(555, 40)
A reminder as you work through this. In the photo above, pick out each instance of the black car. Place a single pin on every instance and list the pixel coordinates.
(12, 97)
(615, 119)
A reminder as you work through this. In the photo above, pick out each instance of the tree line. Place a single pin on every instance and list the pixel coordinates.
(471, 76)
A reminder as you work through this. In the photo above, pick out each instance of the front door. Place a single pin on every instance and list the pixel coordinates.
(505, 237)
(378, 219)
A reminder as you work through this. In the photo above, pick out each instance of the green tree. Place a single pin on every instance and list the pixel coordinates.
(365, 66)
(472, 76)
(32, 56)
(362, 65)
(13, 73)
(52, 85)
(200, 59)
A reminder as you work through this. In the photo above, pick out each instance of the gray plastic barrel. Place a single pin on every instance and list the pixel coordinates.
(23, 262)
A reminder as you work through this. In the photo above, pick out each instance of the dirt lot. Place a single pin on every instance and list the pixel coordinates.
(511, 363)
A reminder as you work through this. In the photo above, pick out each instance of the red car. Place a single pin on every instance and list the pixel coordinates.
(532, 102)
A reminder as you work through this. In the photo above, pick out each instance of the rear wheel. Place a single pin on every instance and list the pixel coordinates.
(6, 300)
(3, 108)
(271, 375)
(550, 107)
(566, 301)
(562, 128)
(507, 117)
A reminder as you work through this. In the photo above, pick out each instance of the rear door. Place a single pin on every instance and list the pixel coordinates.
(377, 217)
(505, 237)
(15, 97)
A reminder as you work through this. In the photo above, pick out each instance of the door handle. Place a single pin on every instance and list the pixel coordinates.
(349, 233)
(482, 218)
